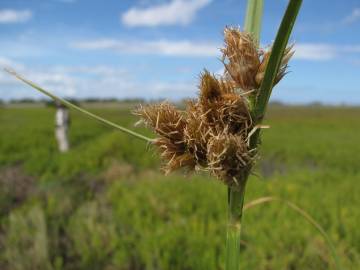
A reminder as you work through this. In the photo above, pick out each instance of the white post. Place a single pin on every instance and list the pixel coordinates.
(61, 128)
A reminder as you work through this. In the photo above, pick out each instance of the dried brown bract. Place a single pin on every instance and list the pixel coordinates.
(213, 132)
(240, 58)
(282, 70)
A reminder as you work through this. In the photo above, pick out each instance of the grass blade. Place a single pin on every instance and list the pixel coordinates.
(71, 105)
(305, 215)
(277, 53)
(253, 18)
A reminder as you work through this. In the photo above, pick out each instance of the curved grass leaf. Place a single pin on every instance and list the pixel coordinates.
(71, 105)
(277, 53)
(272, 68)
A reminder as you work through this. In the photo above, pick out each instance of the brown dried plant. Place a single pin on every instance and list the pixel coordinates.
(213, 132)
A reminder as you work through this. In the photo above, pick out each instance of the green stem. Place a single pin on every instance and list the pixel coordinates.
(253, 18)
(71, 105)
(236, 195)
(236, 202)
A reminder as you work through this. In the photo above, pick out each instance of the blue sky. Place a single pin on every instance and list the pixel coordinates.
(157, 48)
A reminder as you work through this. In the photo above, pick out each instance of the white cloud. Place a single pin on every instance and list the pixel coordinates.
(303, 51)
(88, 81)
(160, 47)
(315, 52)
(14, 16)
(323, 52)
(9, 63)
(176, 12)
(353, 17)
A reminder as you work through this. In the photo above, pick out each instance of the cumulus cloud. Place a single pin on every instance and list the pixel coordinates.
(8, 63)
(176, 12)
(315, 52)
(323, 52)
(102, 81)
(303, 51)
(353, 17)
(14, 16)
(160, 47)
(59, 82)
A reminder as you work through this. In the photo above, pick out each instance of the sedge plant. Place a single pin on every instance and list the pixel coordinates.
(219, 132)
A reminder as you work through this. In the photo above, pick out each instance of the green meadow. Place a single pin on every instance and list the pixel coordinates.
(106, 205)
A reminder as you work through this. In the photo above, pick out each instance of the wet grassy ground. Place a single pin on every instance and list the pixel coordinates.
(105, 205)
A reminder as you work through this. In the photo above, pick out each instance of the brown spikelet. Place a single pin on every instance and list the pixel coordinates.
(289, 52)
(219, 104)
(240, 58)
(173, 158)
(197, 132)
(209, 97)
(169, 124)
(229, 158)
(165, 119)
(210, 89)
(234, 113)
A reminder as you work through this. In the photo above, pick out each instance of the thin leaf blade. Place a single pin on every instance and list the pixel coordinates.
(277, 53)
(71, 105)
(253, 18)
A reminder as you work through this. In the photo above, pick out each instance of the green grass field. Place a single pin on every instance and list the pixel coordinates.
(106, 205)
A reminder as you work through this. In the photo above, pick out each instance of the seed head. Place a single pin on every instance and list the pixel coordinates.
(213, 132)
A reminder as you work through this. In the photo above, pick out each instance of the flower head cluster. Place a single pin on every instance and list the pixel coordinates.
(213, 132)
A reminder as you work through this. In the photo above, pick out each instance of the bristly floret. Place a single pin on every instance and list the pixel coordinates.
(213, 132)
(229, 158)
(245, 63)
(240, 58)
(165, 119)
(169, 124)
(220, 105)
(197, 132)
(210, 89)
(289, 52)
